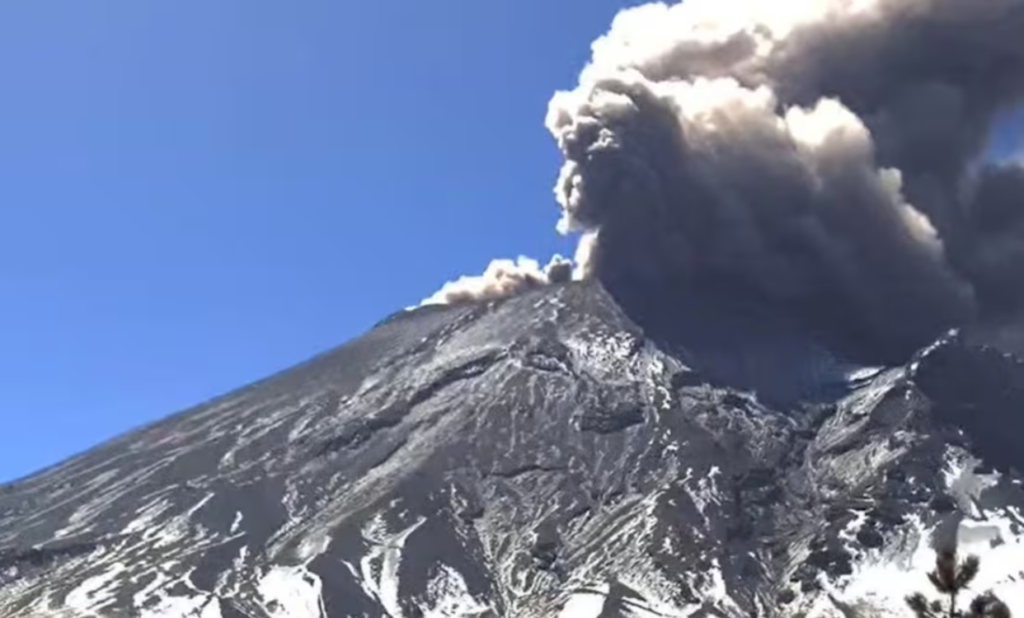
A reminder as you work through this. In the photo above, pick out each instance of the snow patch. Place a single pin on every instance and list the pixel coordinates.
(95, 592)
(237, 523)
(963, 483)
(198, 606)
(586, 603)
(883, 577)
(863, 374)
(291, 592)
(147, 515)
(379, 567)
(706, 491)
(144, 597)
(450, 596)
(177, 527)
(313, 546)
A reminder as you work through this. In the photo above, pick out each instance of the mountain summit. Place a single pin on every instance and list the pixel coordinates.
(783, 366)
(539, 456)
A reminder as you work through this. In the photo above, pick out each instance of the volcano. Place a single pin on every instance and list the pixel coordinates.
(539, 456)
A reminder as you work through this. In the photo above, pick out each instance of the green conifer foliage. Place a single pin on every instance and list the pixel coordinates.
(951, 578)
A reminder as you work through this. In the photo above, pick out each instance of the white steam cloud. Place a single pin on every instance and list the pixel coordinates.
(820, 155)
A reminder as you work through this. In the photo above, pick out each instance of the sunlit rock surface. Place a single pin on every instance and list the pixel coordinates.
(539, 457)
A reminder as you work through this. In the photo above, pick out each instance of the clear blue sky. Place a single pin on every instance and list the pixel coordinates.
(195, 194)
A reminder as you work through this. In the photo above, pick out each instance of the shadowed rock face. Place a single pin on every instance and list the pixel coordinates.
(541, 456)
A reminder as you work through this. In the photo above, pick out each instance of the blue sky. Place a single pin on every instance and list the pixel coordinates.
(195, 194)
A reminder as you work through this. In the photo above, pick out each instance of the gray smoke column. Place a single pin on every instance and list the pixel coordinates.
(502, 278)
(990, 244)
(820, 155)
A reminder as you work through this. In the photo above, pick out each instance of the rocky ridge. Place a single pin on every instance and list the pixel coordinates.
(534, 457)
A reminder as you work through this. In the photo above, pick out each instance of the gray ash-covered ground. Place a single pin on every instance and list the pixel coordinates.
(534, 457)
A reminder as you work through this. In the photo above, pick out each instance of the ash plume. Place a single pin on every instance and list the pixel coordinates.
(990, 243)
(823, 156)
(502, 278)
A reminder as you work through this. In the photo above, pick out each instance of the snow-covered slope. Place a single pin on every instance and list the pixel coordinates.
(535, 457)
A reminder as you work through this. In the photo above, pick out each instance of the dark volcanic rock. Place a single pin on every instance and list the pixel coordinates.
(541, 456)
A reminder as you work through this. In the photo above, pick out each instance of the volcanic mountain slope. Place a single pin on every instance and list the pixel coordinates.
(535, 457)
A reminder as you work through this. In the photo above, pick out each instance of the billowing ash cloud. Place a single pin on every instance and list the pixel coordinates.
(503, 278)
(990, 244)
(821, 155)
